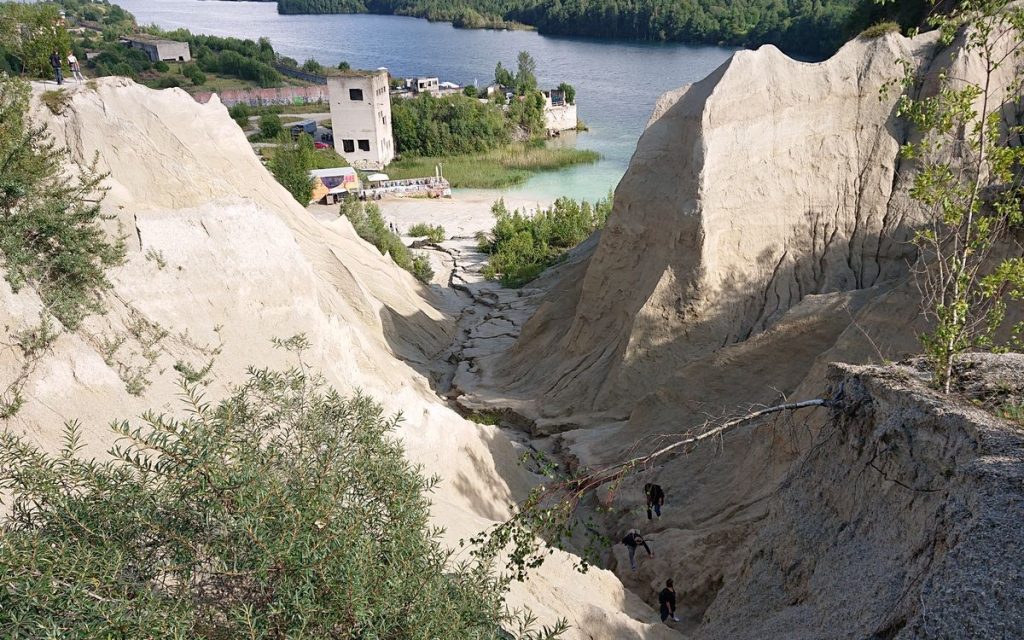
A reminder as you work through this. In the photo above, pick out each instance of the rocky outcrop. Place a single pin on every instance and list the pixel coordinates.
(901, 521)
(766, 183)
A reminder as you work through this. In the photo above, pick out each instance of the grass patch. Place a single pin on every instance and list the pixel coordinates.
(56, 101)
(494, 169)
(483, 416)
(879, 30)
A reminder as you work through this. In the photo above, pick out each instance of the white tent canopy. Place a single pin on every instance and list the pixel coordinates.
(377, 177)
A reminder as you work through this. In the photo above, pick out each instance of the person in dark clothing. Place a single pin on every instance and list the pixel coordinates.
(58, 71)
(632, 540)
(655, 498)
(667, 600)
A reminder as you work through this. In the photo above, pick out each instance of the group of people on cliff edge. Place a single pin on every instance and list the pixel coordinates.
(58, 67)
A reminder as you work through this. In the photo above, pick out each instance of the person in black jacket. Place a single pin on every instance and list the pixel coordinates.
(57, 64)
(667, 600)
(655, 498)
(632, 540)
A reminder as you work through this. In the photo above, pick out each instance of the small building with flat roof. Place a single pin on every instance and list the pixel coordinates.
(331, 185)
(559, 113)
(159, 49)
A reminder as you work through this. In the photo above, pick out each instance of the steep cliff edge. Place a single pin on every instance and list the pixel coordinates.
(901, 521)
(221, 260)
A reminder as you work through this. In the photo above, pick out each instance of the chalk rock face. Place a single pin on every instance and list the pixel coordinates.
(901, 522)
(769, 181)
(760, 234)
(221, 260)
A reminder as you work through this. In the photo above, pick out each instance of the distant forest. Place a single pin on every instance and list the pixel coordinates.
(815, 28)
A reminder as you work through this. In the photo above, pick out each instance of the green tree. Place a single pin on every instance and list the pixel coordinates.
(569, 91)
(270, 126)
(522, 246)
(51, 234)
(969, 182)
(504, 77)
(312, 66)
(30, 33)
(285, 510)
(526, 73)
(193, 73)
(291, 165)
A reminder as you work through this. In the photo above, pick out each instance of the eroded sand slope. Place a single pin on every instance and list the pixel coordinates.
(222, 258)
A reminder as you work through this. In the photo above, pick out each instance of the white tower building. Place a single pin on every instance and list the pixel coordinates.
(361, 118)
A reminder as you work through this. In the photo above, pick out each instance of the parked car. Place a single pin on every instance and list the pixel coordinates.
(321, 145)
(327, 137)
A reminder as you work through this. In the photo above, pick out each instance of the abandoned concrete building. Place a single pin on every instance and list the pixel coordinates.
(361, 118)
(159, 49)
(559, 113)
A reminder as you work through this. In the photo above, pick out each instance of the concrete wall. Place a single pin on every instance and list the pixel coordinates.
(560, 118)
(281, 96)
(366, 120)
(167, 50)
(174, 51)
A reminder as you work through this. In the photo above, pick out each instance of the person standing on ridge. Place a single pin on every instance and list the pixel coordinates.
(632, 540)
(655, 498)
(667, 600)
(58, 72)
(76, 69)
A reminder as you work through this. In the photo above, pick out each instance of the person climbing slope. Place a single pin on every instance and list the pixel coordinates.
(632, 540)
(655, 498)
(667, 600)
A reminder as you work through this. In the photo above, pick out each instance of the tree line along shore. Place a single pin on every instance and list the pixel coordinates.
(801, 27)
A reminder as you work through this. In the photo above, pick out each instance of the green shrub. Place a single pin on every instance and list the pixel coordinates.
(370, 225)
(879, 30)
(240, 110)
(434, 232)
(429, 126)
(421, 268)
(161, 66)
(283, 511)
(194, 74)
(521, 247)
(270, 126)
(51, 238)
(168, 82)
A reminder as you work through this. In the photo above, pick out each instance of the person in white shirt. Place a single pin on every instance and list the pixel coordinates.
(75, 68)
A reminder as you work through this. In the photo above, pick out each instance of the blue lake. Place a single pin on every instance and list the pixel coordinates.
(617, 83)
